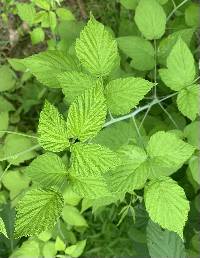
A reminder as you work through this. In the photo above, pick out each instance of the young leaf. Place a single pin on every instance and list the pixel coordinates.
(124, 94)
(75, 83)
(140, 50)
(166, 204)
(52, 129)
(45, 66)
(92, 159)
(96, 49)
(178, 75)
(72, 216)
(87, 114)
(26, 12)
(7, 80)
(37, 35)
(133, 172)
(150, 19)
(191, 132)
(188, 101)
(91, 187)
(38, 211)
(3, 228)
(47, 170)
(167, 152)
(77, 249)
(194, 165)
(164, 243)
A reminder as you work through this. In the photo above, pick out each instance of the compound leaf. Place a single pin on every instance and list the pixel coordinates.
(166, 204)
(150, 19)
(92, 159)
(45, 66)
(180, 70)
(75, 83)
(38, 211)
(52, 129)
(87, 114)
(164, 243)
(124, 94)
(96, 49)
(47, 170)
(188, 101)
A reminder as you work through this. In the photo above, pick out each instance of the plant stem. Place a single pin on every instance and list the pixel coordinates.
(176, 8)
(169, 115)
(21, 134)
(155, 69)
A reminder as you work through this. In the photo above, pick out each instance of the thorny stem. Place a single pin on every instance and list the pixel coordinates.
(20, 153)
(21, 134)
(176, 8)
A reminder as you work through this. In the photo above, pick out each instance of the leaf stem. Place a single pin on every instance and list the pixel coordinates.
(175, 9)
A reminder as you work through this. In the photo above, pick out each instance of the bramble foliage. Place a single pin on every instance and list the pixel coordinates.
(95, 149)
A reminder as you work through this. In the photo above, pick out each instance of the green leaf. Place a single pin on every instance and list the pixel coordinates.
(52, 129)
(129, 4)
(7, 81)
(188, 101)
(124, 94)
(38, 211)
(91, 187)
(37, 36)
(167, 43)
(179, 75)
(75, 83)
(30, 247)
(4, 121)
(3, 228)
(192, 15)
(92, 159)
(5, 105)
(133, 172)
(49, 249)
(96, 49)
(87, 114)
(71, 215)
(191, 132)
(150, 19)
(164, 243)
(166, 204)
(140, 50)
(59, 244)
(194, 168)
(26, 12)
(47, 170)
(43, 4)
(52, 21)
(65, 14)
(168, 153)
(45, 66)
(18, 149)
(77, 249)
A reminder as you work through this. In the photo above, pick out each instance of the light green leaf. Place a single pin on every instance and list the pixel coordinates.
(96, 49)
(168, 153)
(70, 197)
(75, 83)
(49, 249)
(37, 35)
(150, 19)
(87, 114)
(4, 121)
(59, 244)
(45, 66)
(188, 101)
(194, 165)
(65, 14)
(38, 211)
(5, 105)
(166, 204)
(47, 170)
(166, 44)
(124, 94)
(92, 159)
(52, 129)
(77, 249)
(26, 12)
(129, 4)
(140, 50)
(3, 228)
(91, 187)
(192, 15)
(52, 20)
(179, 75)
(44, 4)
(191, 132)
(133, 172)
(7, 81)
(72, 216)
(30, 247)
(18, 149)
(164, 243)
